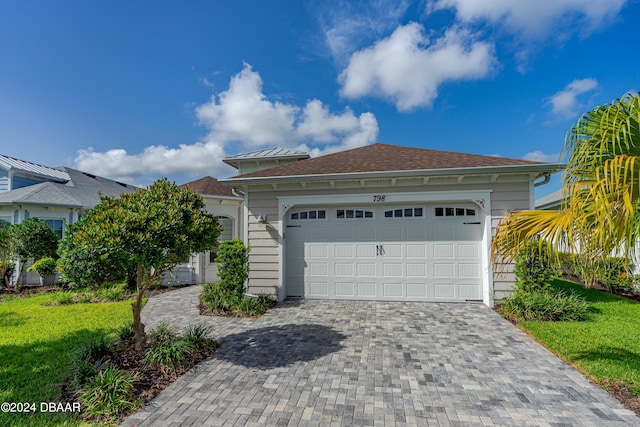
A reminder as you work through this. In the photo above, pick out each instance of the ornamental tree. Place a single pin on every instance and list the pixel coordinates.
(149, 232)
(32, 238)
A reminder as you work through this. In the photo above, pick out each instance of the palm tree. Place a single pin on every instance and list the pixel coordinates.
(601, 187)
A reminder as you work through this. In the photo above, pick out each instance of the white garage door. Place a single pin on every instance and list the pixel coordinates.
(396, 253)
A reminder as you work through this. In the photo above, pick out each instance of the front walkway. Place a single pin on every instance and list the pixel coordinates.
(372, 363)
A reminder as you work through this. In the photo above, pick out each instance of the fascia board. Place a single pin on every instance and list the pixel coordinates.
(483, 170)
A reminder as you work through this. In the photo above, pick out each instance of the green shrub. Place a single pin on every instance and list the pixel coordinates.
(84, 297)
(255, 306)
(534, 268)
(543, 306)
(166, 351)
(44, 266)
(63, 297)
(217, 298)
(109, 393)
(610, 270)
(196, 336)
(233, 265)
(112, 293)
(125, 332)
(87, 360)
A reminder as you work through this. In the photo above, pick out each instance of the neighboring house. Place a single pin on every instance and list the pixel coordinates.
(380, 222)
(227, 206)
(58, 196)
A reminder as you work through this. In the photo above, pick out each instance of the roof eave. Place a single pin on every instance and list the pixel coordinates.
(231, 161)
(481, 170)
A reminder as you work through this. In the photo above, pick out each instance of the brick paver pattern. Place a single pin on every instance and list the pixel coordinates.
(360, 363)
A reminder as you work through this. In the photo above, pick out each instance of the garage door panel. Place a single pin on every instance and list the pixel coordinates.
(393, 290)
(469, 271)
(365, 251)
(443, 251)
(416, 269)
(444, 232)
(391, 233)
(344, 234)
(468, 250)
(444, 291)
(366, 234)
(393, 269)
(417, 290)
(444, 270)
(321, 234)
(469, 292)
(346, 250)
(344, 269)
(317, 289)
(392, 250)
(366, 289)
(317, 250)
(345, 289)
(416, 251)
(318, 268)
(415, 233)
(366, 269)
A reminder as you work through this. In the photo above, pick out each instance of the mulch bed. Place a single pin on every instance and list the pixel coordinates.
(150, 381)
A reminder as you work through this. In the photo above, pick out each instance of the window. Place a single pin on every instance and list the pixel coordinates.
(225, 234)
(314, 214)
(447, 211)
(5, 220)
(57, 225)
(404, 213)
(353, 214)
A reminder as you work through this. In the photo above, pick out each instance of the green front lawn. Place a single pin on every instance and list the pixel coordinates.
(605, 346)
(35, 342)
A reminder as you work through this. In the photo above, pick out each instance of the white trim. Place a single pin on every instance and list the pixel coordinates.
(480, 197)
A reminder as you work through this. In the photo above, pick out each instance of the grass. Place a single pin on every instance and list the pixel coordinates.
(605, 346)
(35, 343)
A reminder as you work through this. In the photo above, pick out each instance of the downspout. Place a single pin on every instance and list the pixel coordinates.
(546, 178)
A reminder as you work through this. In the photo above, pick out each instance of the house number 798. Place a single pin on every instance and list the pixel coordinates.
(379, 197)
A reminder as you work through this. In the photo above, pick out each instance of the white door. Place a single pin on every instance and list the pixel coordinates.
(396, 253)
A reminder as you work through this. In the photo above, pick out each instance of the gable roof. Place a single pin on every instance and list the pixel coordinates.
(82, 190)
(266, 154)
(208, 186)
(389, 158)
(33, 169)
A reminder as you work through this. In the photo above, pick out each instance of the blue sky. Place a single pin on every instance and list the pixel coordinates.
(140, 90)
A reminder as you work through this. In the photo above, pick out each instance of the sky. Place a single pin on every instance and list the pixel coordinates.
(140, 90)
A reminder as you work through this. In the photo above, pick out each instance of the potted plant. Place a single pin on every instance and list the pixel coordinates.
(46, 268)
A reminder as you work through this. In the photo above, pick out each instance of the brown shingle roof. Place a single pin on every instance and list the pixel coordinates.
(384, 158)
(208, 186)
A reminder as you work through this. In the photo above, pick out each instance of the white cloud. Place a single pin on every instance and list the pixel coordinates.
(565, 103)
(192, 160)
(533, 19)
(241, 115)
(407, 68)
(539, 156)
(345, 25)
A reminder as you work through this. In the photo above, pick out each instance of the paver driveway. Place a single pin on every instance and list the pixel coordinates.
(372, 363)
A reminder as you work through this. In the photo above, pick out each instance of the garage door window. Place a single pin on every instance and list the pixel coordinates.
(313, 214)
(452, 211)
(404, 213)
(353, 214)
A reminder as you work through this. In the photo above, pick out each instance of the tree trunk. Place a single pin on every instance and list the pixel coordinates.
(136, 306)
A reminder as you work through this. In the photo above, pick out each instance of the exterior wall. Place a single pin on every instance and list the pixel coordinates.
(508, 192)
